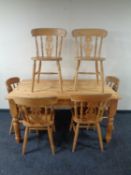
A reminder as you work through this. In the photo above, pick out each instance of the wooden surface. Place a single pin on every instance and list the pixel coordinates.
(48, 88)
(85, 114)
(88, 43)
(51, 88)
(49, 42)
(39, 117)
(11, 84)
(113, 82)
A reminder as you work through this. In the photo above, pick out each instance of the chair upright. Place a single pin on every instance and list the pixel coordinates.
(88, 44)
(88, 111)
(38, 115)
(112, 82)
(11, 84)
(48, 43)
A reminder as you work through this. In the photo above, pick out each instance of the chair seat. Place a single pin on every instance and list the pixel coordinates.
(37, 125)
(47, 58)
(84, 120)
(38, 122)
(90, 59)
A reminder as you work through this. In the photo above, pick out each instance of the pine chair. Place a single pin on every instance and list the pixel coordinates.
(112, 82)
(88, 44)
(48, 43)
(88, 111)
(11, 84)
(38, 115)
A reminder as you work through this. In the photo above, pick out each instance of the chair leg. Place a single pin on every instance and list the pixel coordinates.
(75, 137)
(99, 136)
(11, 131)
(60, 76)
(33, 76)
(76, 74)
(97, 72)
(102, 75)
(25, 140)
(39, 70)
(71, 125)
(50, 135)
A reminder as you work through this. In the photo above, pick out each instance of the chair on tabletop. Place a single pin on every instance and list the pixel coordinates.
(48, 42)
(38, 114)
(88, 111)
(11, 84)
(88, 44)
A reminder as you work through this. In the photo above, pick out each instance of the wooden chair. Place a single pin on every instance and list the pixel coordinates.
(48, 43)
(88, 44)
(112, 82)
(88, 111)
(11, 84)
(38, 115)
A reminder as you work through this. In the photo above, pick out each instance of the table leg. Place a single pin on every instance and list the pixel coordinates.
(15, 114)
(111, 116)
(16, 126)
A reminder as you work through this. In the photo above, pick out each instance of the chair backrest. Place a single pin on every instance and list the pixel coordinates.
(90, 106)
(89, 42)
(36, 109)
(12, 83)
(112, 82)
(48, 41)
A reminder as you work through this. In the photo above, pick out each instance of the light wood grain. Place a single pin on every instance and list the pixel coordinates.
(48, 42)
(88, 112)
(113, 82)
(47, 88)
(88, 45)
(11, 84)
(38, 114)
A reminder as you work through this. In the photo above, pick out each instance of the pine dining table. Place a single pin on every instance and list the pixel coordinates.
(47, 88)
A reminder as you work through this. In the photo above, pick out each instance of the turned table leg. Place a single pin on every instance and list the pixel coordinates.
(112, 111)
(15, 114)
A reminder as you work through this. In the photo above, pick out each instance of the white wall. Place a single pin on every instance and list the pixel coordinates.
(18, 17)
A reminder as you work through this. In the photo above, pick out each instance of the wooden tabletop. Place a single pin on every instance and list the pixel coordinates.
(51, 88)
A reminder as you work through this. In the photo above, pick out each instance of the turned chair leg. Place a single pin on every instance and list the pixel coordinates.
(75, 137)
(102, 75)
(76, 75)
(33, 76)
(50, 135)
(100, 136)
(11, 131)
(60, 76)
(97, 72)
(39, 71)
(25, 140)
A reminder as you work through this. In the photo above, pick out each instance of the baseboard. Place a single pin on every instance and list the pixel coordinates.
(4, 110)
(123, 111)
